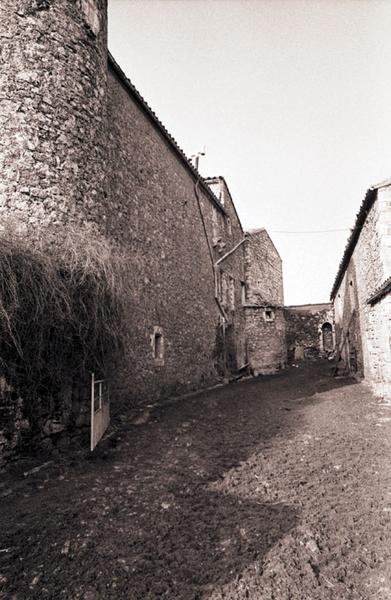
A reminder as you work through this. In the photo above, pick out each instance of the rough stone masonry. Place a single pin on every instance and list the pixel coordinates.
(80, 149)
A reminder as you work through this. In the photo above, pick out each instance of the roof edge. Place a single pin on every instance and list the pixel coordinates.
(221, 178)
(380, 292)
(196, 176)
(251, 232)
(382, 184)
(310, 305)
(368, 202)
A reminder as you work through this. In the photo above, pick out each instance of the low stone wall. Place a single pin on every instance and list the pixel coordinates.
(45, 424)
(304, 336)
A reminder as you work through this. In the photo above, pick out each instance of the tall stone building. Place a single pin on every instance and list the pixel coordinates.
(361, 293)
(263, 302)
(81, 150)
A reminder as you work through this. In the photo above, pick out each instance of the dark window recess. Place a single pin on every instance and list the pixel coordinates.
(157, 340)
(158, 346)
(269, 314)
(243, 291)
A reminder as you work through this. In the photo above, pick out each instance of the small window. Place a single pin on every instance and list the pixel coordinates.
(157, 343)
(229, 226)
(243, 291)
(268, 314)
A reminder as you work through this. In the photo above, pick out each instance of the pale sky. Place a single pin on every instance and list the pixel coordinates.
(292, 100)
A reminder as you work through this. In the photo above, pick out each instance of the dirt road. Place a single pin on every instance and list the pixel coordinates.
(272, 488)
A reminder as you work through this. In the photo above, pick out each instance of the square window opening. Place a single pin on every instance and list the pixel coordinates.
(269, 314)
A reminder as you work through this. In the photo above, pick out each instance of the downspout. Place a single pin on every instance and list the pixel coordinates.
(216, 264)
(230, 252)
(221, 308)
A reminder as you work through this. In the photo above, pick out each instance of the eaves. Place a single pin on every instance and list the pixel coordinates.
(172, 143)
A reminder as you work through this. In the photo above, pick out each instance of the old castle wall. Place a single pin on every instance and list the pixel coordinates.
(53, 110)
(64, 167)
(154, 215)
(53, 94)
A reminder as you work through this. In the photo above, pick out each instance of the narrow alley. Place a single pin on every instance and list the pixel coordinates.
(276, 487)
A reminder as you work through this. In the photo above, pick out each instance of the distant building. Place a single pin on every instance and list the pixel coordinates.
(361, 293)
(309, 331)
(263, 302)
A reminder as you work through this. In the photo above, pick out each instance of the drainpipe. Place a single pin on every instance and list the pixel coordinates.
(221, 308)
(230, 252)
(216, 264)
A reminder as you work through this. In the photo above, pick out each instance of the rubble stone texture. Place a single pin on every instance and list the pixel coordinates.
(363, 330)
(309, 330)
(154, 215)
(81, 149)
(225, 232)
(53, 96)
(265, 322)
(52, 110)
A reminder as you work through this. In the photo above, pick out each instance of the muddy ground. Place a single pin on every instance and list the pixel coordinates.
(272, 488)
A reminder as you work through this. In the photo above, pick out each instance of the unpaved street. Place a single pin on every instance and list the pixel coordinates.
(271, 488)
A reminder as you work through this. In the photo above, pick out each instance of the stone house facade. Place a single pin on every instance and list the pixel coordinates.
(361, 293)
(226, 237)
(263, 304)
(310, 331)
(81, 149)
(160, 211)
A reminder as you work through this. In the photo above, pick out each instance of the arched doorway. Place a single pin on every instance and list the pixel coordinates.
(327, 337)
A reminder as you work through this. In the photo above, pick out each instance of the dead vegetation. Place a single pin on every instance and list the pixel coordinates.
(62, 302)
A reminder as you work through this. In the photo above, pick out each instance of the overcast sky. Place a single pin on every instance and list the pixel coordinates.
(292, 100)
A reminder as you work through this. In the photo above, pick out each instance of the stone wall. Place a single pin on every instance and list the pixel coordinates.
(81, 150)
(226, 235)
(53, 97)
(264, 297)
(308, 334)
(347, 324)
(154, 215)
(53, 73)
(51, 423)
(360, 326)
(264, 280)
(266, 344)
